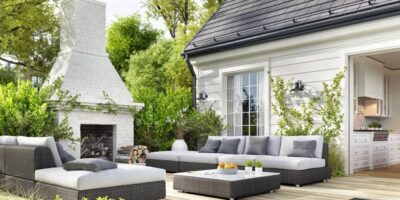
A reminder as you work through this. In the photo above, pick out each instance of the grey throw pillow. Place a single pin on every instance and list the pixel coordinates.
(274, 145)
(229, 146)
(304, 148)
(65, 156)
(257, 145)
(211, 146)
(89, 164)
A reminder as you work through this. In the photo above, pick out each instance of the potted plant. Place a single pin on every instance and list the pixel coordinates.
(248, 166)
(258, 167)
(181, 127)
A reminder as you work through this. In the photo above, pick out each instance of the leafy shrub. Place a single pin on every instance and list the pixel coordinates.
(25, 110)
(203, 123)
(299, 120)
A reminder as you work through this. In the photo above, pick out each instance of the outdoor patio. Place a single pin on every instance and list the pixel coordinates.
(337, 188)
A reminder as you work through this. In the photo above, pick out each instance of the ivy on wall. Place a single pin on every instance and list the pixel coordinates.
(298, 117)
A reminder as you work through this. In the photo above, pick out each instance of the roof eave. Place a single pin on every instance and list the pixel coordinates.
(297, 31)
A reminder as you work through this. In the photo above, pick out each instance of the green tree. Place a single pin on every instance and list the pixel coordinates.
(29, 34)
(7, 76)
(209, 8)
(127, 36)
(154, 124)
(25, 111)
(174, 13)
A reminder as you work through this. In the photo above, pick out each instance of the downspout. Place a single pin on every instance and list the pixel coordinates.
(194, 79)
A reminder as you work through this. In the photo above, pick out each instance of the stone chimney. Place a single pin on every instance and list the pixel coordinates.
(85, 69)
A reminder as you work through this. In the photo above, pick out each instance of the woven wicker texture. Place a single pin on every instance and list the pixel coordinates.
(2, 161)
(226, 189)
(191, 166)
(144, 191)
(18, 186)
(22, 161)
(169, 166)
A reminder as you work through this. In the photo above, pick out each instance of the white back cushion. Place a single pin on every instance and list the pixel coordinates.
(8, 140)
(287, 144)
(241, 145)
(42, 141)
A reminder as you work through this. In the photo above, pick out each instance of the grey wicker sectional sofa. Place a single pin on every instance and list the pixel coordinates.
(294, 170)
(20, 167)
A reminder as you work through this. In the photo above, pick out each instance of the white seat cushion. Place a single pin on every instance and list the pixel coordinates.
(42, 141)
(291, 163)
(287, 144)
(169, 155)
(125, 174)
(238, 159)
(164, 155)
(209, 158)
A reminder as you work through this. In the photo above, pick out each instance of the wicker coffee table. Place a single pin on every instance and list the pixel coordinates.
(209, 183)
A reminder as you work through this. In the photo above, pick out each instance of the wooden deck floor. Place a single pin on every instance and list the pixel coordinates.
(337, 188)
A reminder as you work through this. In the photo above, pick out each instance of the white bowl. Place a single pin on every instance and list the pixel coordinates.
(227, 171)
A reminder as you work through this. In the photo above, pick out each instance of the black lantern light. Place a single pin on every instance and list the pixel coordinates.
(202, 96)
(298, 86)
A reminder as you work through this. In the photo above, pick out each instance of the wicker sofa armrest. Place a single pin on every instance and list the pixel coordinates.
(23, 161)
(325, 154)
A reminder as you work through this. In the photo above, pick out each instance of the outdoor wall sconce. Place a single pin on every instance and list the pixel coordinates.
(298, 86)
(202, 96)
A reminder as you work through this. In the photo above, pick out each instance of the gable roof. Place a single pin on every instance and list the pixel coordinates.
(245, 22)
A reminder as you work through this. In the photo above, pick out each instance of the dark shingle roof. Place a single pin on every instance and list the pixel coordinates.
(245, 22)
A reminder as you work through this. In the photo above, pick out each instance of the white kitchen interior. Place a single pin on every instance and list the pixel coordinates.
(376, 136)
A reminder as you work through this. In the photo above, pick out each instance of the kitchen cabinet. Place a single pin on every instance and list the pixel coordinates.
(371, 89)
(374, 149)
(370, 78)
(394, 149)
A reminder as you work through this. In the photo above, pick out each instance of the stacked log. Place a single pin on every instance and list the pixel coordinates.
(138, 154)
(132, 154)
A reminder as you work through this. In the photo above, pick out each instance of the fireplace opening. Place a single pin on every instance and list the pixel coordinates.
(97, 141)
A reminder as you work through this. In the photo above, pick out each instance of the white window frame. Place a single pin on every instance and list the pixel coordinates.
(243, 68)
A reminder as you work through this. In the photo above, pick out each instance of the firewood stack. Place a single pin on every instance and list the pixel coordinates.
(93, 147)
(132, 154)
(138, 154)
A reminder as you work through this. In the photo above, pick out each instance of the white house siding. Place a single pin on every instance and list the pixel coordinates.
(313, 58)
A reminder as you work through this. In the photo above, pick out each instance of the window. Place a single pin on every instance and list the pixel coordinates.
(245, 99)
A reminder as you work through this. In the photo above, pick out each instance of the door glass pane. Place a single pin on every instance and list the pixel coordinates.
(253, 119)
(245, 118)
(253, 130)
(245, 79)
(254, 92)
(253, 78)
(244, 100)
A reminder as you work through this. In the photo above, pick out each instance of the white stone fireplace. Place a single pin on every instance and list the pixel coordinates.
(85, 69)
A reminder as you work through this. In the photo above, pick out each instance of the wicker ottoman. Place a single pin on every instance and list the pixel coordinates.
(209, 183)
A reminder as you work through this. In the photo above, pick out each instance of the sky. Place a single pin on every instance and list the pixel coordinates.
(122, 8)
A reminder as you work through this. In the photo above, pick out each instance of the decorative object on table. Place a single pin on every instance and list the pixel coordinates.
(248, 166)
(227, 168)
(138, 154)
(258, 167)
